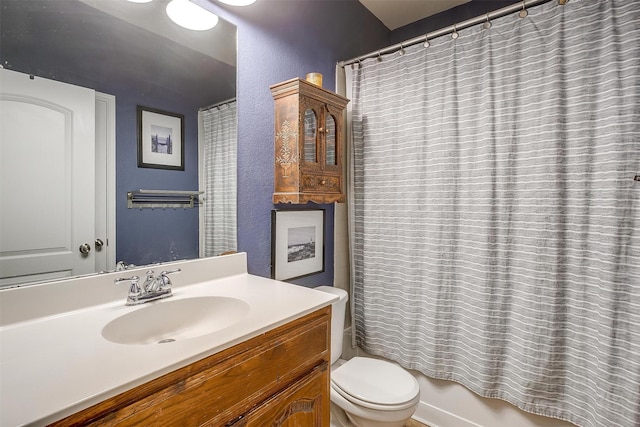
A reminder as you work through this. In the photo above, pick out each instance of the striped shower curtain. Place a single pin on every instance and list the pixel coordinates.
(219, 180)
(496, 210)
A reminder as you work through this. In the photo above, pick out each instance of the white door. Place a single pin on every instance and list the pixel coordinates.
(105, 234)
(47, 179)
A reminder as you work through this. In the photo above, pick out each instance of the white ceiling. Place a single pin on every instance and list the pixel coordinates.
(153, 18)
(397, 13)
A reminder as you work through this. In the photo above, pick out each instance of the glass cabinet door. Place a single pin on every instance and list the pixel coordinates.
(310, 154)
(330, 140)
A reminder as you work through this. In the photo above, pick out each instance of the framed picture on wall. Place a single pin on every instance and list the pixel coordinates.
(160, 139)
(297, 243)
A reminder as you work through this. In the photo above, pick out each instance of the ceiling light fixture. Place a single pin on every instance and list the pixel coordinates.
(238, 2)
(190, 15)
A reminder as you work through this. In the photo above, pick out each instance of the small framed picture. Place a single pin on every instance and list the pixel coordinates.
(297, 243)
(160, 139)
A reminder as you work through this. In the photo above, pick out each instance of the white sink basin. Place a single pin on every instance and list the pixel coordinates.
(170, 320)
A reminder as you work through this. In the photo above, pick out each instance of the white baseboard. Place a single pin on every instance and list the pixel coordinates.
(436, 417)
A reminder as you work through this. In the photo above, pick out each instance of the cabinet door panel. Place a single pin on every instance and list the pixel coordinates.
(305, 404)
(312, 134)
(330, 140)
(333, 139)
(310, 145)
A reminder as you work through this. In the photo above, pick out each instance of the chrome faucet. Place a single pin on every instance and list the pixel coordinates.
(153, 288)
(121, 265)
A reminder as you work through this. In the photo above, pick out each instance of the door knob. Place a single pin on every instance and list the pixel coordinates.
(99, 244)
(85, 249)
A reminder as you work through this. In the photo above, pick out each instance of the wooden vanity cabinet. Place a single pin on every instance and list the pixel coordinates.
(300, 405)
(309, 143)
(280, 378)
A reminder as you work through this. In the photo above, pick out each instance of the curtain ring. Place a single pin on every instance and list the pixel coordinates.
(523, 13)
(455, 34)
(487, 23)
(401, 51)
(379, 57)
(426, 41)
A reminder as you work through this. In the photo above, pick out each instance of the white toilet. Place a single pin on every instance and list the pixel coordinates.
(372, 392)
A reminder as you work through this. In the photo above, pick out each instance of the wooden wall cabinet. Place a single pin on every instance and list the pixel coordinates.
(309, 143)
(280, 379)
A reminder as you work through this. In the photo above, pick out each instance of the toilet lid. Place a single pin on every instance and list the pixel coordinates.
(376, 381)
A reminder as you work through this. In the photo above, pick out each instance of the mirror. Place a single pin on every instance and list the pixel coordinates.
(135, 53)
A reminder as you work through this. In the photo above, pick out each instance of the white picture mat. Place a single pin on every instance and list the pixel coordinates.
(285, 220)
(149, 119)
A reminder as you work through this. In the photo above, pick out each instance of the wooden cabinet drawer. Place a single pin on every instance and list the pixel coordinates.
(304, 404)
(321, 183)
(221, 387)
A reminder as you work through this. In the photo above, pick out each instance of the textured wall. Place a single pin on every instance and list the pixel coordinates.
(447, 18)
(283, 39)
(279, 40)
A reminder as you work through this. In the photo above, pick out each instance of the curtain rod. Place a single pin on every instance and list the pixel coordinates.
(520, 6)
(217, 104)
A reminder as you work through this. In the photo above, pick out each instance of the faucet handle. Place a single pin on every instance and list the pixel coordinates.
(165, 282)
(131, 279)
(134, 289)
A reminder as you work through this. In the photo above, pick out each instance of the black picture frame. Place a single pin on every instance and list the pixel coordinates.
(160, 139)
(297, 243)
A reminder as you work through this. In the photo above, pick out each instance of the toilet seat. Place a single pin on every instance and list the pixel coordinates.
(375, 384)
(372, 406)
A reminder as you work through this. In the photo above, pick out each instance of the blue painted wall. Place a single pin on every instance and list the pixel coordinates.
(447, 18)
(279, 40)
(282, 39)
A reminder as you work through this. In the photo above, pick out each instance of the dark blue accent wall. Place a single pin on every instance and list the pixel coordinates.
(279, 40)
(146, 236)
(447, 18)
(282, 39)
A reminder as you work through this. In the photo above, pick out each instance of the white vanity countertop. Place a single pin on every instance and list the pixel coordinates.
(54, 366)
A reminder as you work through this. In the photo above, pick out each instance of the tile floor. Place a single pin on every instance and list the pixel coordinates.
(413, 423)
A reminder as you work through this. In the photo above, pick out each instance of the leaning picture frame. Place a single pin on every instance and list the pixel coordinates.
(160, 139)
(297, 243)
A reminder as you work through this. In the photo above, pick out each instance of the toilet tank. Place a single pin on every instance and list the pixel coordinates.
(338, 310)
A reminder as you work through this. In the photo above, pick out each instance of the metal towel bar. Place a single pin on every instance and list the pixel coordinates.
(162, 199)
